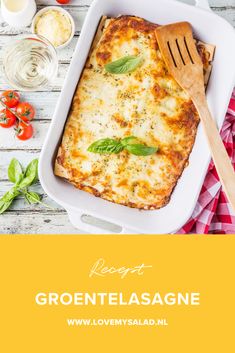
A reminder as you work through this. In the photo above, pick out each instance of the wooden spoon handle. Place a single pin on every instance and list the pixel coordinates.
(220, 157)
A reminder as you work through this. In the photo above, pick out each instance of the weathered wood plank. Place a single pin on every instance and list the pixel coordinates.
(36, 223)
(227, 13)
(9, 141)
(220, 3)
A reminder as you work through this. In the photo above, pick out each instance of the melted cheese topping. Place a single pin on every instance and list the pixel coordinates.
(147, 103)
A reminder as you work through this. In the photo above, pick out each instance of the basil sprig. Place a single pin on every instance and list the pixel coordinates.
(15, 171)
(112, 146)
(124, 65)
(22, 181)
(108, 146)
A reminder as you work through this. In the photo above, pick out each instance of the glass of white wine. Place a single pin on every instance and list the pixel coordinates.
(30, 62)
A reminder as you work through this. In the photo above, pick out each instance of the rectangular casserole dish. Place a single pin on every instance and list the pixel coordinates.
(170, 218)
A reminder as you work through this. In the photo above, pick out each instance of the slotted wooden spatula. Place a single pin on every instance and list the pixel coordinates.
(180, 54)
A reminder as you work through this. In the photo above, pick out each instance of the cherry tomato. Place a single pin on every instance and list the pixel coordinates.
(10, 98)
(24, 131)
(7, 118)
(25, 111)
(63, 1)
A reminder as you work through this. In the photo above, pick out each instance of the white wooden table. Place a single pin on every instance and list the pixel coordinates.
(22, 218)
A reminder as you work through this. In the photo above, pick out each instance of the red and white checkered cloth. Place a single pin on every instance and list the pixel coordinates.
(213, 213)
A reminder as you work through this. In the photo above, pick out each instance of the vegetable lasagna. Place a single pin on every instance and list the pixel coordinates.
(143, 101)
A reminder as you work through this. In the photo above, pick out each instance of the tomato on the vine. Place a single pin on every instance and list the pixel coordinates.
(10, 98)
(7, 118)
(25, 111)
(21, 116)
(24, 131)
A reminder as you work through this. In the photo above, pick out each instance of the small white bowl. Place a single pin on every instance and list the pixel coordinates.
(22, 17)
(66, 13)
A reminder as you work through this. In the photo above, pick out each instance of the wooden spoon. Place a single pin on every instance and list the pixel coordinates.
(179, 51)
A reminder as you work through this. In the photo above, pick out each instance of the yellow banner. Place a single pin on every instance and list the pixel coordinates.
(117, 294)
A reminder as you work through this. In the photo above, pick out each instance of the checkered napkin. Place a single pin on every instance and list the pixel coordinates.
(213, 213)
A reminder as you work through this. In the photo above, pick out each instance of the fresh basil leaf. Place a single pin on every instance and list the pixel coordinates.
(31, 175)
(140, 150)
(27, 181)
(5, 205)
(15, 171)
(7, 199)
(32, 170)
(109, 146)
(127, 140)
(10, 195)
(106, 146)
(124, 65)
(32, 197)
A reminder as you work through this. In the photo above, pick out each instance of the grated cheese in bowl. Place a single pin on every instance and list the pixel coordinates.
(54, 24)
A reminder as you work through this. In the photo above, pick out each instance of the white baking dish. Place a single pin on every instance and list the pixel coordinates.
(208, 27)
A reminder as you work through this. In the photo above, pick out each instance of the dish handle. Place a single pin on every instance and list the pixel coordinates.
(94, 225)
(204, 4)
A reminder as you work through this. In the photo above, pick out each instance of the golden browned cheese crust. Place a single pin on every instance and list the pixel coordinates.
(147, 103)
